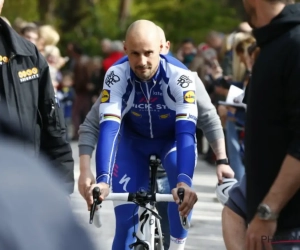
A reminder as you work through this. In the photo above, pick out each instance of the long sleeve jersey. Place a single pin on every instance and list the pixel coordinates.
(162, 107)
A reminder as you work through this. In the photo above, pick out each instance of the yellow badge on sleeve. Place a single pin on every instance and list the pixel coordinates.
(105, 96)
(189, 96)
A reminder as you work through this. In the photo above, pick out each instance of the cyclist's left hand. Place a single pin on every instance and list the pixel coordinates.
(190, 198)
(224, 171)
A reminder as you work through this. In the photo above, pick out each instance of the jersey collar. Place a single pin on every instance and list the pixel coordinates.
(156, 78)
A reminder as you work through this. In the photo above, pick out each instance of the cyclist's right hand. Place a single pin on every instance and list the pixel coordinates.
(104, 191)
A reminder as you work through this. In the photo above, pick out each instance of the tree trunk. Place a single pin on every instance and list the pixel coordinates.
(46, 9)
(124, 13)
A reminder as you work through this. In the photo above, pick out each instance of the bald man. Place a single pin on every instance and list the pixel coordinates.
(139, 78)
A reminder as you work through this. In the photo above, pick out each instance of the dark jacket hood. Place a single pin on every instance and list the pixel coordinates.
(286, 20)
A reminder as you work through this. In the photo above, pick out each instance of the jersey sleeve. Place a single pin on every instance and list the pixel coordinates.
(109, 123)
(186, 118)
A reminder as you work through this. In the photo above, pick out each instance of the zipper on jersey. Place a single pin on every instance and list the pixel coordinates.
(147, 97)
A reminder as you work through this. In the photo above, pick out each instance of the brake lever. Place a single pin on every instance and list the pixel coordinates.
(96, 201)
(180, 193)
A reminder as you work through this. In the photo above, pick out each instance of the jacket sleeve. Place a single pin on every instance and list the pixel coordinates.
(292, 99)
(208, 120)
(53, 129)
(89, 131)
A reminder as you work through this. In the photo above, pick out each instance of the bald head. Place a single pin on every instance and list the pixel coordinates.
(142, 29)
(143, 46)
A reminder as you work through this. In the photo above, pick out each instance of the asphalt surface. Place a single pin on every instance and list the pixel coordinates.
(206, 230)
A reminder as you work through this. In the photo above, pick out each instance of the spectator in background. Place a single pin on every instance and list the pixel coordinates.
(241, 69)
(214, 40)
(106, 46)
(30, 32)
(48, 35)
(226, 55)
(186, 52)
(52, 55)
(202, 63)
(95, 85)
(82, 102)
(115, 52)
(66, 96)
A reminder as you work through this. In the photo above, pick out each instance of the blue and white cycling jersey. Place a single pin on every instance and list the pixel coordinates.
(163, 107)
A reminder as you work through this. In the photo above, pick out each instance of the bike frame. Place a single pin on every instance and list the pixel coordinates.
(146, 227)
(147, 220)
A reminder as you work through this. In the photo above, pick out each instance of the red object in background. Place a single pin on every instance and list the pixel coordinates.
(111, 59)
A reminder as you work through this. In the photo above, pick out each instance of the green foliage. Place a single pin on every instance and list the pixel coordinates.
(26, 9)
(186, 18)
(86, 22)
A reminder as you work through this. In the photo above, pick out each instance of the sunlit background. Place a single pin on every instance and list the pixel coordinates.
(88, 21)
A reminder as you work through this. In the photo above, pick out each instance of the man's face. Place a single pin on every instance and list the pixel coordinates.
(187, 48)
(31, 36)
(143, 56)
(250, 12)
(215, 42)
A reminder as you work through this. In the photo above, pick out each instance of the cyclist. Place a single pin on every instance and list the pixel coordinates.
(146, 92)
(208, 121)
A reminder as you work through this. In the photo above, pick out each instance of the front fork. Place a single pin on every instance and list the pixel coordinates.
(146, 229)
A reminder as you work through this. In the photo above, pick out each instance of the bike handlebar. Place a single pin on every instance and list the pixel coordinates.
(139, 198)
(130, 197)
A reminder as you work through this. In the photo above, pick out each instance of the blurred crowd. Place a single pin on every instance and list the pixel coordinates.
(221, 60)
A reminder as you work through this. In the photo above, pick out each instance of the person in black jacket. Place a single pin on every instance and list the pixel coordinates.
(272, 139)
(27, 94)
(25, 180)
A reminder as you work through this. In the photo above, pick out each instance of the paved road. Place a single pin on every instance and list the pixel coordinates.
(205, 234)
